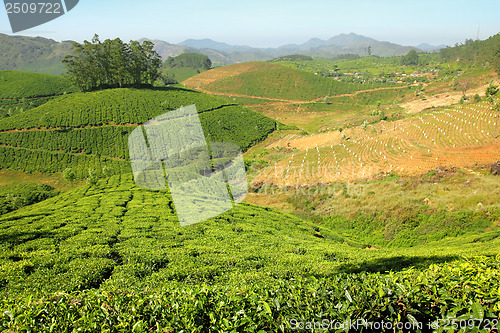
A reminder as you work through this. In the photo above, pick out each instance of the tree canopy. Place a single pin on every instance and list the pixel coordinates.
(292, 57)
(475, 51)
(189, 60)
(411, 58)
(112, 64)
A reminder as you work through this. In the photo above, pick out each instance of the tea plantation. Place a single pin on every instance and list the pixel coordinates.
(21, 91)
(90, 130)
(112, 257)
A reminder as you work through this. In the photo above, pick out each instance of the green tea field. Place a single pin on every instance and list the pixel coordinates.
(111, 256)
(371, 201)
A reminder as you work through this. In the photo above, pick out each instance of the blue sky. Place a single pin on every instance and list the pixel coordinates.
(271, 23)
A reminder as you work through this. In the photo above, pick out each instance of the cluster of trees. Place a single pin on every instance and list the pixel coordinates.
(112, 64)
(475, 51)
(292, 57)
(184, 66)
(411, 59)
(189, 60)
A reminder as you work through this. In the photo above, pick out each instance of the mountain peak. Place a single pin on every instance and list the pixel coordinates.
(348, 39)
(206, 43)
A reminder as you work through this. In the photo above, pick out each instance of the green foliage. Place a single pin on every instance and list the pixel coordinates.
(285, 127)
(49, 162)
(69, 175)
(475, 52)
(107, 171)
(90, 130)
(16, 196)
(112, 64)
(411, 59)
(113, 257)
(382, 116)
(189, 60)
(33, 54)
(167, 79)
(277, 306)
(492, 90)
(292, 57)
(19, 85)
(410, 227)
(186, 65)
(281, 82)
(92, 178)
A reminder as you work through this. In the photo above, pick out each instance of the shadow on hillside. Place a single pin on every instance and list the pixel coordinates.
(176, 88)
(17, 238)
(395, 263)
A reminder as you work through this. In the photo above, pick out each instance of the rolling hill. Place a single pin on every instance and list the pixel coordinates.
(33, 54)
(18, 85)
(21, 91)
(90, 130)
(269, 81)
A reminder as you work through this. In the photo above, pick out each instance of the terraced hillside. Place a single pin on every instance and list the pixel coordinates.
(461, 136)
(21, 91)
(90, 130)
(112, 256)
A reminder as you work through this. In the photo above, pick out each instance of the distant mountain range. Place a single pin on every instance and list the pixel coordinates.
(315, 47)
(44, 55)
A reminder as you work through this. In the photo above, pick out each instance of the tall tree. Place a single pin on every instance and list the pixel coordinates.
(112, 64)
(411, 58)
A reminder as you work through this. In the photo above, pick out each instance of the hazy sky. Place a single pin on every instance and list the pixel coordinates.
(271, 23)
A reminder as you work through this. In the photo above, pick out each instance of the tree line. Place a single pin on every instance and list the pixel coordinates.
(475, 51)
(112, 64)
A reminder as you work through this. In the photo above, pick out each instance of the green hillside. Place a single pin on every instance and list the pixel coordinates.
(282, 83)
(475, 52)
(16, 85)
(21, 91)
(33, 54)
(112, 257)
(90, 130)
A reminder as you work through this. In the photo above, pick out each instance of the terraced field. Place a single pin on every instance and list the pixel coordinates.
(460, 136)
(90, 130)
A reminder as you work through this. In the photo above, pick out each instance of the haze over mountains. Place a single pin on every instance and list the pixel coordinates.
(44, 55)
(315, 47)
